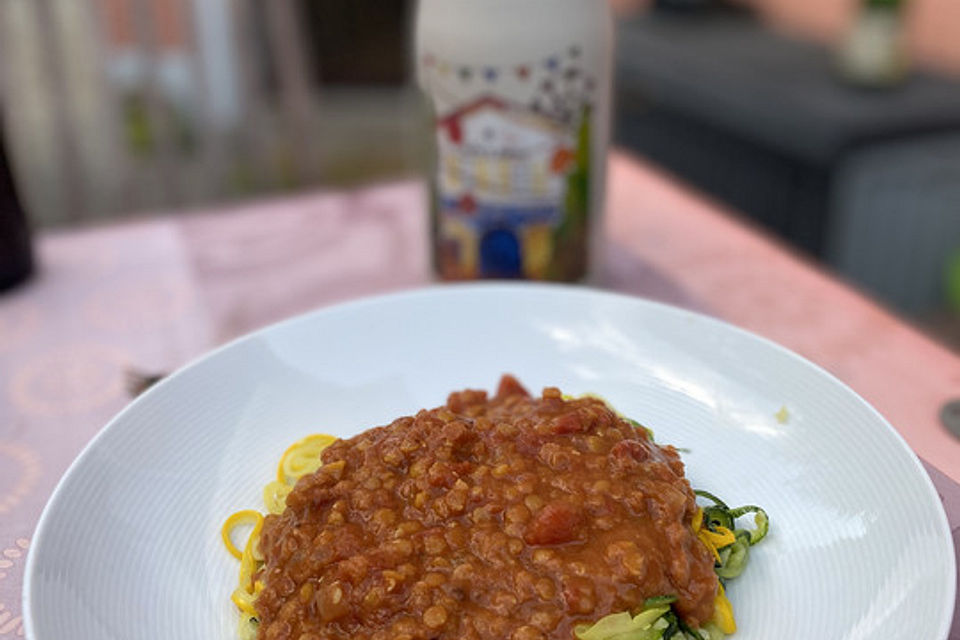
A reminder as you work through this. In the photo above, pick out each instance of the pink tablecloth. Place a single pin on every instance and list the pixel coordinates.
(153, 294)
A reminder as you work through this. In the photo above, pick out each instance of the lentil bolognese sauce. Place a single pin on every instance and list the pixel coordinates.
(509, 517)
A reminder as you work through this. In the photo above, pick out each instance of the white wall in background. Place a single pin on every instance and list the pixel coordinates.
(214, 27)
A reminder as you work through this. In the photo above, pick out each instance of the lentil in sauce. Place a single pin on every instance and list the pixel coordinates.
(503, 518)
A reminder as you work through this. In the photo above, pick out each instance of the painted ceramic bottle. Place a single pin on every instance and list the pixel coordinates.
(520, 97)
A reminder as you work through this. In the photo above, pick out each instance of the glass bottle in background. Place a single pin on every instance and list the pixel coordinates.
(16, 256)
(519, 94)
(874, 53)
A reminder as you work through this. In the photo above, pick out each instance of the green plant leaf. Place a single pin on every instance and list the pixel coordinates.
(953, 281)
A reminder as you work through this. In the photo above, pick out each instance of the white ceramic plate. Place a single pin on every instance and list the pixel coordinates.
(129, 549)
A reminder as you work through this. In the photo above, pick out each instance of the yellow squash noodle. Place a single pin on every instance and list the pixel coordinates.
(248, 517)
(716, 541)
(244, 601)
(248, 628)
(251, 558)
(300, 459)
(275, 496)
(723, 612)
(697, 520)
(722, 609)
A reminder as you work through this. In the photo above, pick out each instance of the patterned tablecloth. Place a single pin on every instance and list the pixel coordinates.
(153, 294)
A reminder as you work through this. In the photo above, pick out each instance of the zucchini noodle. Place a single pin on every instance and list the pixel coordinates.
(715, 526)
(300, 459)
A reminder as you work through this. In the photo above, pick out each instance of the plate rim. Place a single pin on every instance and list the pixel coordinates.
(510, 288)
